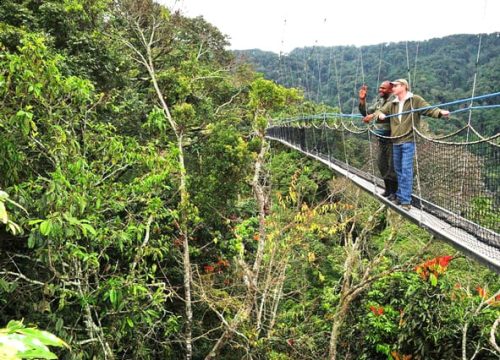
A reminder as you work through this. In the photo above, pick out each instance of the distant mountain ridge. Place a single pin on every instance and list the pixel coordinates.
(441, 70)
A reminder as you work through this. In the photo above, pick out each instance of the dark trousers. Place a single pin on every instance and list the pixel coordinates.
(384, 161)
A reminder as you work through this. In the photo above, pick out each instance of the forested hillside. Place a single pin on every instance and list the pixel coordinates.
(144, 215)
(442, 70)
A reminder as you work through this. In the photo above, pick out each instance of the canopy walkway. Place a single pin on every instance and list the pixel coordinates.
(456, 189)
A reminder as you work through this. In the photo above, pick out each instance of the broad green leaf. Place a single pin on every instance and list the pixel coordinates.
(34, 222)
(130, 322)
(14, 325)
(8, 352)
(44, 336)
(45, 227)
(31, 241)
(4, 218)
(433, 279)
(3, 195)
(89, 228)
(37, 354)
(59, 324)
(14, 228)
(113, 296)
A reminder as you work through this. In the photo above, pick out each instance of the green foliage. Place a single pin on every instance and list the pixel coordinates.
(98, 176)
(489, 217)
(273, 98)
(90, 225)
(20, 342)
(4, 216)
(403, 314)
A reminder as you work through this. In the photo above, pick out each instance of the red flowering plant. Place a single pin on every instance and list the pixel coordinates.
(482, 292)
(217, 267)
(493, 300)
(431, 269)
(377, 310)
(381, 327)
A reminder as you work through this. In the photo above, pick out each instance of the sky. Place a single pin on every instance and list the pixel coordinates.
(282, 25)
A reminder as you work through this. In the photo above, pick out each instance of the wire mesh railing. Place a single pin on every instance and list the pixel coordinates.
(459, 182)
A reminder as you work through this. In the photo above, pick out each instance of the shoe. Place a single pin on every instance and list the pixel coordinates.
(406, 207)
(388, 189)
(392, 197)
(386, 193)
(396, 201)
(391, 187)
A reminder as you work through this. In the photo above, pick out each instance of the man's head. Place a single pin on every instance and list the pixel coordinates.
(400, 85)
(385, 89)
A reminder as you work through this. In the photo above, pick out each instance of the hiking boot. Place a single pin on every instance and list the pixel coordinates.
(388, 189)
(392, 197)
(391, 187)
(396, 201)
(406, 207)
(386, 193)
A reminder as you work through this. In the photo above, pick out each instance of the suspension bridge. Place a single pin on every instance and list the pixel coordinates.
(456, 189)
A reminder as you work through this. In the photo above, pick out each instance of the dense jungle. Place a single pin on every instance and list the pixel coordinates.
(144, 214)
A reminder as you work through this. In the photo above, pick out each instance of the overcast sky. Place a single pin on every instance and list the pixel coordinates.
(282, 25)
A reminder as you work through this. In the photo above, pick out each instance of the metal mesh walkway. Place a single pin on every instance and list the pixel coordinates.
(459, 202)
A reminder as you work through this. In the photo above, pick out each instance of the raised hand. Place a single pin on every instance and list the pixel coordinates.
(362, 92)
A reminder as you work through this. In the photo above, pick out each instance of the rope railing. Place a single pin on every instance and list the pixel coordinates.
(467, 199)
(359, 116)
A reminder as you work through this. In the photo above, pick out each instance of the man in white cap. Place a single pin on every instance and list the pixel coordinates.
(403, 119)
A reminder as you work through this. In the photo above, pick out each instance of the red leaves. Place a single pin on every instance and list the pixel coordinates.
(431, 269)
(482, 292)
(377, 310)
(398, 356)
(217, 267)
(208, 268)
(444, 261)
(222, 263)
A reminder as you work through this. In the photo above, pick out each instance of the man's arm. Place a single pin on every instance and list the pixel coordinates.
(362, 100)
(433, 112)
(379, 114)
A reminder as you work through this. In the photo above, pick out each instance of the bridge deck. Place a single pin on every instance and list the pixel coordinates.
(460, 239)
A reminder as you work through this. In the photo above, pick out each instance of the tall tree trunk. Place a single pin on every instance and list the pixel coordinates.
(338, 321)
(345, 299)
(262, 197)
(145, 58)
(351, 290)
(251, 276)
(186, 259)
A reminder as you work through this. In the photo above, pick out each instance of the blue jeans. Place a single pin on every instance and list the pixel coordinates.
(402, 155)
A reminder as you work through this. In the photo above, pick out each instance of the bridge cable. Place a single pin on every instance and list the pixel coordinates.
(337, 80)
(282, 72)
(370, 141)
(417, 169)
(415, 67)
(469, 120)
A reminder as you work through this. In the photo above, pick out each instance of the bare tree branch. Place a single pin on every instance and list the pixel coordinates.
(493, 332)
(22, 277)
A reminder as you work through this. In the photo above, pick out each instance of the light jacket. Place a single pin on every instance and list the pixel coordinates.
(403, 126)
